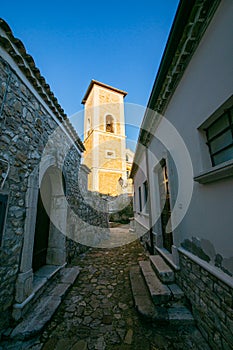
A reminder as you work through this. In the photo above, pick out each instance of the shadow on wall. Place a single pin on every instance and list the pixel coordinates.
(205, 250)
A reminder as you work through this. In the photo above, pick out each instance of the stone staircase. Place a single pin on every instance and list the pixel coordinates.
(42, 310)
(156, 295)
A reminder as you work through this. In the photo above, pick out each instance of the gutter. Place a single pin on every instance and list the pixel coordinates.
(190, 22)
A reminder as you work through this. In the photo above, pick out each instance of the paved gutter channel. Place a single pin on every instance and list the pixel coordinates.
(98, 312)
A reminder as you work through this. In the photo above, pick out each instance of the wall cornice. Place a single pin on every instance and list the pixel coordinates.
(191, 20)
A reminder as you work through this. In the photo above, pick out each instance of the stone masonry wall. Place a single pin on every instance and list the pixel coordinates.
(87, 216)
(26, 127)
(212, 303)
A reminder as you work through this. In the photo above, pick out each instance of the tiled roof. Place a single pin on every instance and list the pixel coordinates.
(93, 81)
(15, 48)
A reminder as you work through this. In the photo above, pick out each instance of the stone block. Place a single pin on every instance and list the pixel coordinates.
(80, 345)
(179, 315)
(228, 299)
(162, 270)
(142, 300)
(129, 337)
(50, 344)
(177, 293)
(60, 290)
(23, 286)
(63, 343)
(69, 275)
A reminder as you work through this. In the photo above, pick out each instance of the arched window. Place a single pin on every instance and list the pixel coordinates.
(109, 123)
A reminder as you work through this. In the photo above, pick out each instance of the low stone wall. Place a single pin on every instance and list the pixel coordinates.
(122, 215)
(211, 300)
(87, 226)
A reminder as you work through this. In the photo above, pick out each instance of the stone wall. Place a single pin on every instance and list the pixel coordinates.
(29, 129)
(87, 216)
(211, 300)
(120, 208)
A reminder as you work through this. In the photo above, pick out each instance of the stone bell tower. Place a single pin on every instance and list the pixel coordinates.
(104, 138)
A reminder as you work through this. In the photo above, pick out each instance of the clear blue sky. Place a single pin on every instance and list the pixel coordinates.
(118, 43)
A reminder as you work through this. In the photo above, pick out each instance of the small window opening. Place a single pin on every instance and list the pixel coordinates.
(109, 124)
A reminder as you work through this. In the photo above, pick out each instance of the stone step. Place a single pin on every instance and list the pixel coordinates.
(179, 315)
(142, 300)
(159, 292)
(173, 313)
(41, 279)
(34, 322)
(162, 270)
(177, 293)
(41, 313)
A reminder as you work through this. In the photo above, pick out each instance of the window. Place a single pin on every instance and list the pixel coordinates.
(220, 138)
(109, 123)
(3, 209)
(140, 198)
(127, 158)
(127, 174)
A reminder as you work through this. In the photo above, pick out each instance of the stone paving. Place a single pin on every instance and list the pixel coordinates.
(98, 312)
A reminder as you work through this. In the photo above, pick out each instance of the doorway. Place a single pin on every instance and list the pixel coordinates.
(42, 224)
(165, 206)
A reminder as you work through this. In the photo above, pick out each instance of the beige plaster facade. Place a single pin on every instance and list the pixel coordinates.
(104, 139)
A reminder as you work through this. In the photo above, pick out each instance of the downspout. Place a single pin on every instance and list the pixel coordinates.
(149, 204)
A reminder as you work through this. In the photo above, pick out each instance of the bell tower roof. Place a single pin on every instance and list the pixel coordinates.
(96, 82)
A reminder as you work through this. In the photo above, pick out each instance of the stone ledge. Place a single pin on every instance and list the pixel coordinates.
(36, 320)
(40, 314)
(41, 277)
(168, 257)
(219, 172)
(219, 274)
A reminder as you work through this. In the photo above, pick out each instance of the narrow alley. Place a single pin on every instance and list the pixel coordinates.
(98, 311)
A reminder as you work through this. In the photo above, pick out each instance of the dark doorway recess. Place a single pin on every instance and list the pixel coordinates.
(165, 202)
(42, 225)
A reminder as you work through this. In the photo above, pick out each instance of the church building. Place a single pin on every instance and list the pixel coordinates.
(104, 139)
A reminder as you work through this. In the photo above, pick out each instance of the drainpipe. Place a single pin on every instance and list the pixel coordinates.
(149, 203)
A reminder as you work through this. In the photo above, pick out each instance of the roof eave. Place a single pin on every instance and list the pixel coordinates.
(96, 82)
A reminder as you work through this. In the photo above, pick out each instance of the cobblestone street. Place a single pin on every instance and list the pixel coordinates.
(98, 312)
